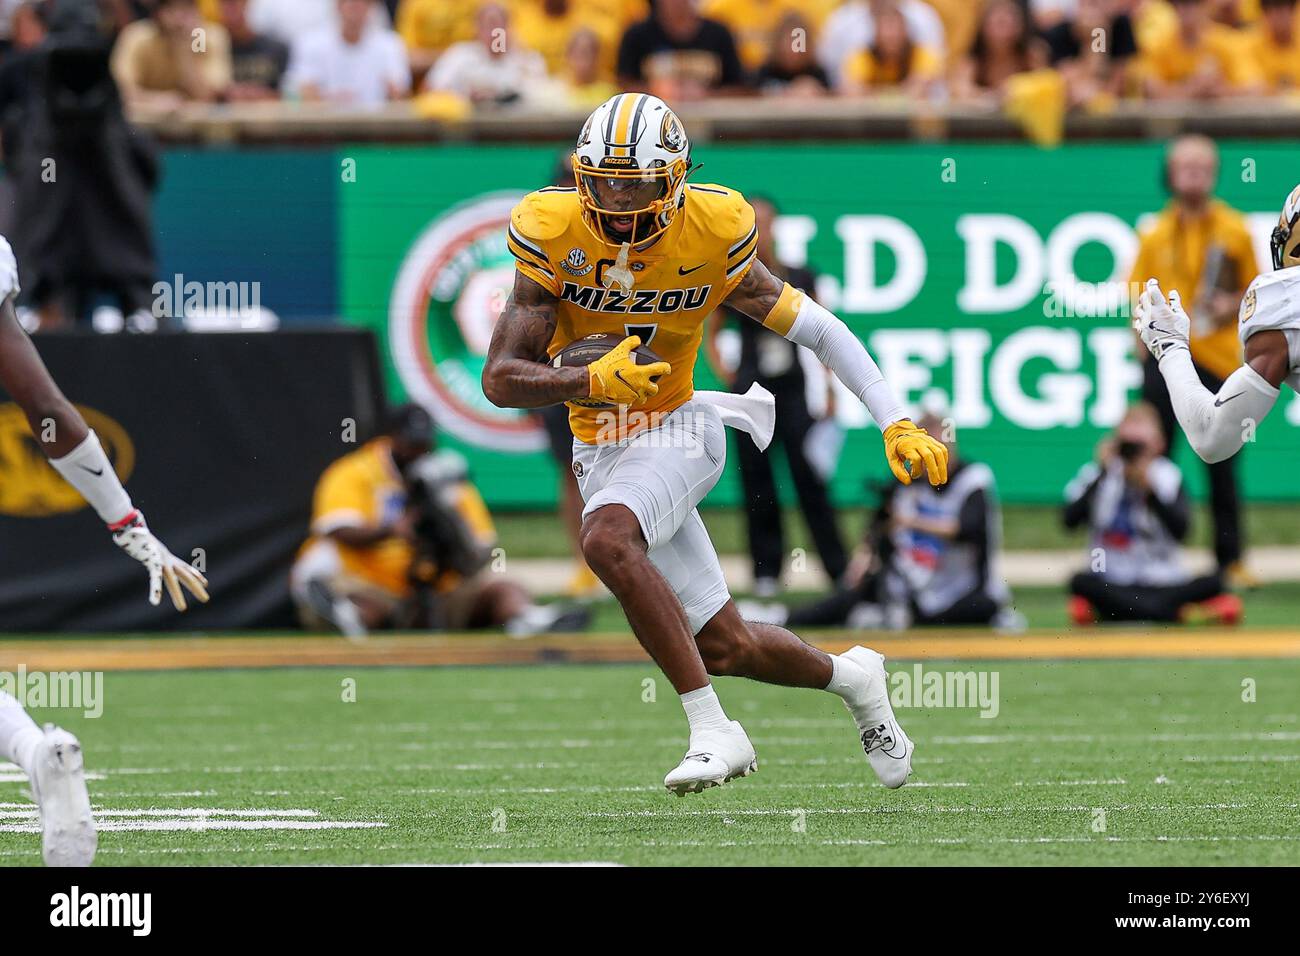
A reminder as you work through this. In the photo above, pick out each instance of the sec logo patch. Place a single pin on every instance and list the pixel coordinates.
(576, 264)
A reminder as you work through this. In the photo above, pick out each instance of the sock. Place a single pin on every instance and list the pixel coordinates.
(704, 710)
(19, 734)
(86, 468)
(853, 685)
(533, 619)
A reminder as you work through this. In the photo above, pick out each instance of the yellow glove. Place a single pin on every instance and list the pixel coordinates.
(907, 444)
(615, 376)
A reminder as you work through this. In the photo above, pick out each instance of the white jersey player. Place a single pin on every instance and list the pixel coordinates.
(1269, 325)
(52, 757)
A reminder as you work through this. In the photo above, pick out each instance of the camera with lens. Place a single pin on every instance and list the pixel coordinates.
(1130, 450)
(445, 541)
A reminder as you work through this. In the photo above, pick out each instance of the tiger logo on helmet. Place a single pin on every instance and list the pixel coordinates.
(631, 163)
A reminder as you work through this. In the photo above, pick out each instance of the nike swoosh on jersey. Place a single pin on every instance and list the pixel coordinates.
(1222, 401)
(94, 471)
(685, 272)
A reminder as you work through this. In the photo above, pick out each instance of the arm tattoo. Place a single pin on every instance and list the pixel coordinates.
(517, 374)
(757, 292)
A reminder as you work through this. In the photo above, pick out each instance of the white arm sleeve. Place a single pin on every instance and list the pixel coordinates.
(1216, 425)
(840, 350)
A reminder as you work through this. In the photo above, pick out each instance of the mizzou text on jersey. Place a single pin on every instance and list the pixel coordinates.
(678, 281)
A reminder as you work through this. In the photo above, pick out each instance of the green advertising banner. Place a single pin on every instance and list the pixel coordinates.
(990, 282)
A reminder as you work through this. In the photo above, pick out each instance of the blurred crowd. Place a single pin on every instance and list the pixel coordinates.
(454, 56)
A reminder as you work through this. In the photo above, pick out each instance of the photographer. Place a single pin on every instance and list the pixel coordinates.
(401, 538)
(1135, 506)
(931, 556)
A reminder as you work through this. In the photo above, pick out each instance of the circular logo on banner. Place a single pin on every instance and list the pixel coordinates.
(31, 487)
(450, 288)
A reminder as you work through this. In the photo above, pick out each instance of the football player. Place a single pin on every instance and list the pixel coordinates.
(52, 757)
(636, 250)
(1268, 323)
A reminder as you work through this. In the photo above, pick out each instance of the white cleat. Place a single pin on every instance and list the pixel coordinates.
(888, 748)
(68, 835)
(715, 757)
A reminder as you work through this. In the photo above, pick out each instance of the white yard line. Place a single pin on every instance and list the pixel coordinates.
(877, 810)
(100, 811)
(204, 825)
(604, 845)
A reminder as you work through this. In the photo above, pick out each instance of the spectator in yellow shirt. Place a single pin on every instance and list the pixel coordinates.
(549, 27)
(755, 23)
(172, 57)
(1202, 247)
(1197, 59)
(376, 558)
(586, 82)
(1275, 45)
(893, 62)
(428, 27)
(623, 12)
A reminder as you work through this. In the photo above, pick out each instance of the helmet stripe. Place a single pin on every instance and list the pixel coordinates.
(625, 109)
(633, 135)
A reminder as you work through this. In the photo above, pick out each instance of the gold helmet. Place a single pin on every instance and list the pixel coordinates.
(631, 164)
(1285, 241)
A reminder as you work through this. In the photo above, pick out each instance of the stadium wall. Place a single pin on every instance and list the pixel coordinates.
(987, 278)
(220, 437)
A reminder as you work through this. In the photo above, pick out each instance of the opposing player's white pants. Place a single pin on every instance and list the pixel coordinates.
(660, 475)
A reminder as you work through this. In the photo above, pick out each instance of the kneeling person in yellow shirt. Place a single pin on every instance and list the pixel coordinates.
(401, 538)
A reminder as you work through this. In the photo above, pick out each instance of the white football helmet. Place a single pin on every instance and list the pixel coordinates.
(1285, 241)
(631, 164)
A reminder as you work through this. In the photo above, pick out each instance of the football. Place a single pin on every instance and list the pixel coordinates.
(591, 347)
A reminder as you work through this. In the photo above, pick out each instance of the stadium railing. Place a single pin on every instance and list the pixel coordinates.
(729, 119)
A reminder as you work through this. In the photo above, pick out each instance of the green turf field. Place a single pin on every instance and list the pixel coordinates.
(563, 763)
(528, 534)
(1271, 605)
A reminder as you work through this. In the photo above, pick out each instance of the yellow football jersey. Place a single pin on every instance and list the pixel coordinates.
(679, 281)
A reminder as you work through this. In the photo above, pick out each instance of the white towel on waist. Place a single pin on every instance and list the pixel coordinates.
(753, 413)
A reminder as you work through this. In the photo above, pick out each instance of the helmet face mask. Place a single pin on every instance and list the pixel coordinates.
(630, 165)
(624, 205)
